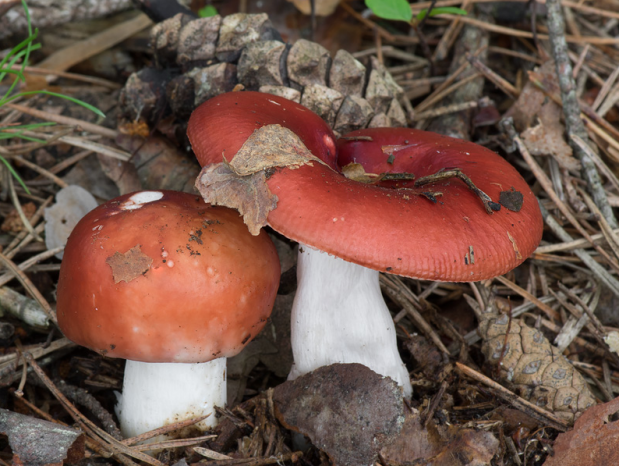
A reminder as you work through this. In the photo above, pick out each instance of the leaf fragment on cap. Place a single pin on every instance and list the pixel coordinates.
(218, 184)
(271, 146)
(129, 265)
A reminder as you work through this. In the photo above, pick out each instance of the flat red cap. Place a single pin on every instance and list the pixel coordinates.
(395, 230)
(160, 276)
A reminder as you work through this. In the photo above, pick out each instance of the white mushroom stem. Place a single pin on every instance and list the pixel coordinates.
(158, 394)
(339, 316)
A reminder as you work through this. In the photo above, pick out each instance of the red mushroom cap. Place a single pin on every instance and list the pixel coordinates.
(398, 230)
(227, 120)
(160, 276)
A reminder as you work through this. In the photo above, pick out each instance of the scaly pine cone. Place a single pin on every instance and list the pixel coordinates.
(212, 55)
(533, 368)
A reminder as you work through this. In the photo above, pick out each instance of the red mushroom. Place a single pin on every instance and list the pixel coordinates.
(172, 285)
(397, 230)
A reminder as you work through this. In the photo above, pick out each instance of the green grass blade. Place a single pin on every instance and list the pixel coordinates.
(21, 136)
(55, 94)
(15, 174)
(29, 126)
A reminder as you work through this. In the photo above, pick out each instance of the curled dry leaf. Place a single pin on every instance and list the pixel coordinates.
(35, 442)
(433, 445)
(13, 223)
(271, 146)
(250, 195)
(547, 138)
(592, 442)
(241, 183)
(534, 368)
(347, 410)
(355, 171)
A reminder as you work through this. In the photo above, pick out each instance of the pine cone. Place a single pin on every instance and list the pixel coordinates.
(534, 368)
(213, 55)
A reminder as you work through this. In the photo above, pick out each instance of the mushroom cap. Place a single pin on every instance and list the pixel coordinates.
(399, 231)
(227, 120)
(160, 276)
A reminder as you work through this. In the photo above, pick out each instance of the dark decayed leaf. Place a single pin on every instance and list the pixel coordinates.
(35, 442)
(347, 410)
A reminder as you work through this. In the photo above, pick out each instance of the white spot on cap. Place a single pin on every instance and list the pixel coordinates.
(274, 102)
(139, 199)
(170, 264)
(335, 219)
(98, 228)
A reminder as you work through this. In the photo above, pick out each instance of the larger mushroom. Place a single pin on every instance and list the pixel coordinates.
(175, 287)
(339, 314)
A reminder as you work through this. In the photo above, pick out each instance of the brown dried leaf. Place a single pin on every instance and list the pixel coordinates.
(531, 99)
(355, 171)
(271, 146)
(434, 364)
(250, 195)
(13, 223)
(347, 410)
(435, 446)
(130, 265)
(547, 138)
(35, 442)
(592, 442)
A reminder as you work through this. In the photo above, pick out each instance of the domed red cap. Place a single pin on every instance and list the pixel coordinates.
(159, 276)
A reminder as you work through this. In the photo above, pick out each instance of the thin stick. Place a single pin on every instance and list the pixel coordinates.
(40, 171)
(602, 166)
(542, 178)
(63, 120)
(570, 245)
(572, 111)
(579, 6)
(524, 294)
(531, 409)
(86, 424)
(492, 76)
(594, 40)
(602, 274)
(34, 292)
(64, 74)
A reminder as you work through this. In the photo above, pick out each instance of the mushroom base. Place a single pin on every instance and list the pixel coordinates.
(339, 316)
(158, 394)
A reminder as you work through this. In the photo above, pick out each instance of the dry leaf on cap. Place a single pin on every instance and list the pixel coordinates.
(347, 410)
(547, 138)
(592, 442)
(242, 183)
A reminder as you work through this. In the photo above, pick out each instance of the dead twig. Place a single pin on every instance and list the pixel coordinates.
(572, 111)
(516, 401)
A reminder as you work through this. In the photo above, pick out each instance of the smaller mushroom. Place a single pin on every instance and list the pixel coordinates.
(174, 286)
